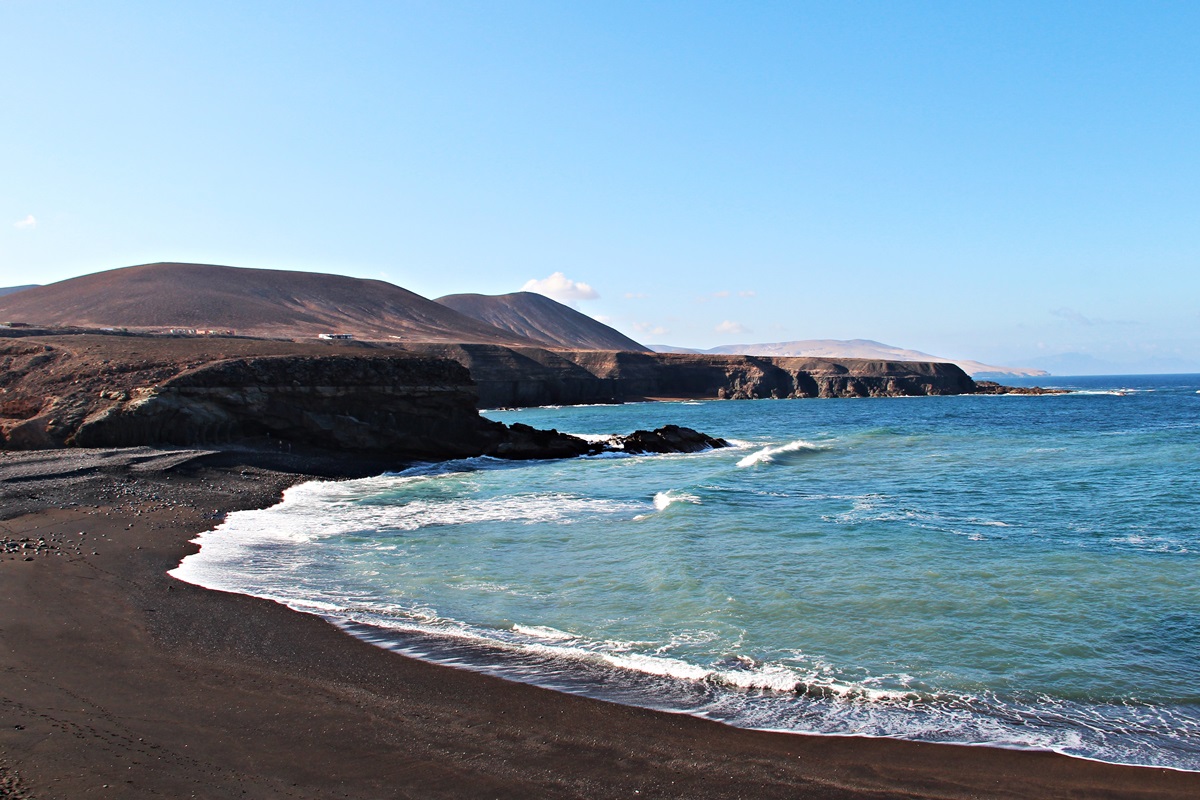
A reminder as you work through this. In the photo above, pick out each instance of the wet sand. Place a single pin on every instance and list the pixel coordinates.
(117, 681)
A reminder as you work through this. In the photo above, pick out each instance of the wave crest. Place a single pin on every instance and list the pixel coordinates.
(663, 500)
(769, 455)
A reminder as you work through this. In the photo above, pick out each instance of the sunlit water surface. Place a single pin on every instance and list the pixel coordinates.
(1016, 571)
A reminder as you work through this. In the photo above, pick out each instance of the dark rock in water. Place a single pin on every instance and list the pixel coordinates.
(667, 439)
(522, 441)
(991, 387)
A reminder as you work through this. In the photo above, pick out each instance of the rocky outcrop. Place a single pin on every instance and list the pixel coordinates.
(118, 392)
(526, 442)
(991, 387)
(123, 391)
(668, 439)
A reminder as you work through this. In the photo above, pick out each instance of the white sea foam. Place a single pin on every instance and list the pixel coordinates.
(249, 545)
(663, 500)
(593, 438)
(768, 455)
(430, 469)
(543, 507)
(543, 632)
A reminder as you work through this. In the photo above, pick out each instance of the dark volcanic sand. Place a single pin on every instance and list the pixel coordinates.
(118, 681)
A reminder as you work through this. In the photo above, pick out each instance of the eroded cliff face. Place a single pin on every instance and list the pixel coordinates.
(415, 407)
(515, 377)
(416, 402)
(642, 375)
(508, 377)
(98, 391)
(379, 402)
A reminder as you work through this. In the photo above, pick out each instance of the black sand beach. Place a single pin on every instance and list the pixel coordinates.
(121, 682)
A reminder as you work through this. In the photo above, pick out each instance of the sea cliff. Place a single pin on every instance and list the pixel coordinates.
(514, 377)
(419, 401)
(126, 391)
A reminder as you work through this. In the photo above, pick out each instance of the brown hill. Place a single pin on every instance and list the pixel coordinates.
(255, 302)
(537, 317)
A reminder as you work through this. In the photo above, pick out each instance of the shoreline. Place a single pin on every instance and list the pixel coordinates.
(121, 681)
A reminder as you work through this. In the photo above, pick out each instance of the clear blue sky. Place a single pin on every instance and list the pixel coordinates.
(1006, 181)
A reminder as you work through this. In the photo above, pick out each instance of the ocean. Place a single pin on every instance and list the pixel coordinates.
(1014, 571)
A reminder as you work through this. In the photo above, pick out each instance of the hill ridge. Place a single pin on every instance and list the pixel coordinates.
(256, 302)
(543, 319)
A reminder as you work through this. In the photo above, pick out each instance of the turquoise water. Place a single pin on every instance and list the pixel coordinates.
(1015, 571)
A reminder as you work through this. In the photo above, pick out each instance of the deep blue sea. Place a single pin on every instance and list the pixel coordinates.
(1019, 571)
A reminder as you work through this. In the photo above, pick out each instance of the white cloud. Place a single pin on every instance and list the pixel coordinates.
(651, 328)
(729, 326)
(29, 222)
(722, 293)
(1071, 315)
(559, 287)
(748, 293)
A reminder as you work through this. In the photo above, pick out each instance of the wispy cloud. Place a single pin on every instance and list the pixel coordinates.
(559, 287)
(748, 293)
(636, 295)
(1071, 315)
(651, 328)
(30, 221)
(729, 326)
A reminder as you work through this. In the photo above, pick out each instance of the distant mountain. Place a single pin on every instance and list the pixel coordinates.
(255, 302)
(537, 317)
(857, 348)
(11, 289)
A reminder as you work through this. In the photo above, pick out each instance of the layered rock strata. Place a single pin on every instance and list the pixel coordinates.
(55, 395)
(101, 392)
(514, 377)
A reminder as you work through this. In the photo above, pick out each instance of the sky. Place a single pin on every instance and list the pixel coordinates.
(1017, 183)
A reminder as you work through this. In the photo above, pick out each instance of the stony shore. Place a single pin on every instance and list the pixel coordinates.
(120, 682)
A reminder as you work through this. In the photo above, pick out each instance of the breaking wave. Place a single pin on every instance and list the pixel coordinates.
(770, 455)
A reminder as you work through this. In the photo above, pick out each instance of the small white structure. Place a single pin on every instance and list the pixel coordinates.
(335, 336)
